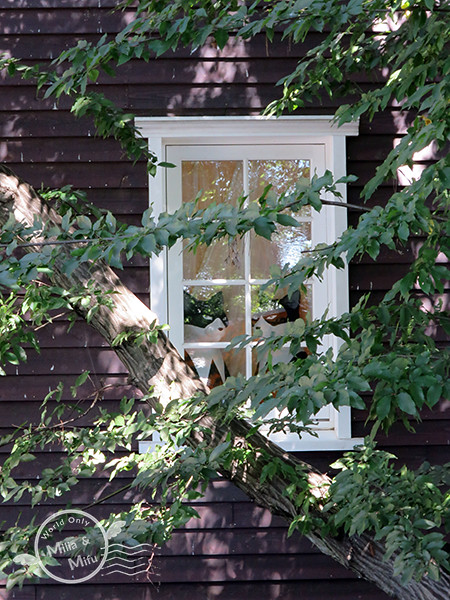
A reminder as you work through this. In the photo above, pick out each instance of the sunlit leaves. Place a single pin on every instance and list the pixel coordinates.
(387, 361)
(14, 333)
(405, 508)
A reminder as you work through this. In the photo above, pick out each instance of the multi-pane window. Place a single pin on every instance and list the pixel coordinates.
(211, 296)
(217, 293)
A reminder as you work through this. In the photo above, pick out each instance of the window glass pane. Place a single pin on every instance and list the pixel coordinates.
(287, 243)
(213, 313)
(218, 181)
(276, 307)
(221, 260)
(282, 175)
(214, 365)
(284, 248)
(271, 311)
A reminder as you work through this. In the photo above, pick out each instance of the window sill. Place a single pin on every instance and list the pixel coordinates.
(327, 442)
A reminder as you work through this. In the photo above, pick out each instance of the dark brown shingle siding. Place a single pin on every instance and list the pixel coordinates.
(235, 550)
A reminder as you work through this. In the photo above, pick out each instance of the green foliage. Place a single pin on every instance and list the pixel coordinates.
(387, 364)
(408, 509)
(14, 333)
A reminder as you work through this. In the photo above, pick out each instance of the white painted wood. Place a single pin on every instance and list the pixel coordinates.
(158, 264)
(174, 129)
(226, 138)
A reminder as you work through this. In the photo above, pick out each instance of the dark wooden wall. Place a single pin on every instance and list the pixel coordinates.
(236, 550)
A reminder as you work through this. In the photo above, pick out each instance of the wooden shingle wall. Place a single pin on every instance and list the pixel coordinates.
(236, 550)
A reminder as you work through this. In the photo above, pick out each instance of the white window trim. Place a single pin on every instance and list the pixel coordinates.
(163, 131)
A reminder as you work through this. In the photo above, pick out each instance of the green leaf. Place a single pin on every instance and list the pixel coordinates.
(383, 407)
(406, 403)
(84, 222)
(93, 74)
(218, 451)
(221, 37)
(25, 559)
(111, 222)
(147, 244)
(264, 227)
(82, 378)
(433, 569)
(287, 220)
(434, 394)
(403, 231)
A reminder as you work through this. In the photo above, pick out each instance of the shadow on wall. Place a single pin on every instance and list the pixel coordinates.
(43, 142)
(238, 80)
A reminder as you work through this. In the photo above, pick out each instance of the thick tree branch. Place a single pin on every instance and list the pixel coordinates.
(160, 365)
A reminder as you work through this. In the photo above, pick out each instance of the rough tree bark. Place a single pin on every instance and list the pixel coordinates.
(161, 366)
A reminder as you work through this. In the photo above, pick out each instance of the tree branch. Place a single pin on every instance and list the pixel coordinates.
(160, 365)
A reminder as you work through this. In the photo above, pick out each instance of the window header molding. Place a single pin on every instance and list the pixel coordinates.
(209, 127)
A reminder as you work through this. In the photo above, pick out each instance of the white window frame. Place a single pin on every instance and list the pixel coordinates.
(305, 130)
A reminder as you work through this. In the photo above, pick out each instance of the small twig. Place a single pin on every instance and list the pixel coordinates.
(62, 242)
(95, 395)
(49, 322)
(332, 203)
(346, 205)
(330, 247)
(83, 414)
(61, 424)
(100, 500)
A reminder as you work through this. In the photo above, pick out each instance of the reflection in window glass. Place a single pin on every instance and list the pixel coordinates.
(270, 314)
(279, 307)
(282, 175)
(284, 248)
(216, 181)
(214, 365)
(287, 243)
(215, 314)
